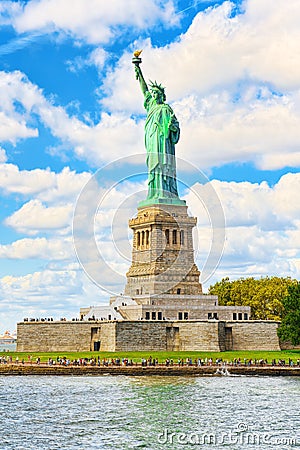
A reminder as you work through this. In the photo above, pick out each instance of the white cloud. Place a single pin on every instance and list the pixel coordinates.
(218, 129)
(54, 195)
(262, 227)
(48, 293)
(280, 159)
(286, 202)
(8, 9)
(66, 187)
(3, 156)
(14, 128)
(246, 122)
(236, 89)
(271, 208)
(262, 224)
(41, 248)
(98, 57)
(25, 182)
(17, 99)
(34, 217)
(219, 50)
(114, 136)
(44, 184)
(93, 23)
(260, 126)
(251, 251)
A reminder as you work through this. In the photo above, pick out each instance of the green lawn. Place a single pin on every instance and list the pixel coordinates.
(137, 356)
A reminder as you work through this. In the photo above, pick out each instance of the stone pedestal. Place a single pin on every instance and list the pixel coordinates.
(163, 253)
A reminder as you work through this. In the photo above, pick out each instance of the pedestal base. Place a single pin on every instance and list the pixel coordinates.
(161, 201)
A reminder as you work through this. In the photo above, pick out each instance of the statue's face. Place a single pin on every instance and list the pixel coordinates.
(157, 95)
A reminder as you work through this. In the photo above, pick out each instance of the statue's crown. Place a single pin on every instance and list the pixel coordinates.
(155, 85)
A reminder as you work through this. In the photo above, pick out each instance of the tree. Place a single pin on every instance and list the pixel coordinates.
(289, 329)
(264, 295)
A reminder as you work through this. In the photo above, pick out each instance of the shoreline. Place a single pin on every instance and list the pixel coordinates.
(138, 370)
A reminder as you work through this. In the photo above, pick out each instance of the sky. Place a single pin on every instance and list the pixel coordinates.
(72, 141)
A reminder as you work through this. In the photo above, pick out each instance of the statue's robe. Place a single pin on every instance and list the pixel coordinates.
(160, 145)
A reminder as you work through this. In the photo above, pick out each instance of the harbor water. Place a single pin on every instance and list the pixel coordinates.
(122, 412)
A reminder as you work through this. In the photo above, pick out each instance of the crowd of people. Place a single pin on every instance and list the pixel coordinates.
(149, 362)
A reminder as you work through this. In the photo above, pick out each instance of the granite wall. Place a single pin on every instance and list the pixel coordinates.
(254, 335)
(53, 336)
(147, 336)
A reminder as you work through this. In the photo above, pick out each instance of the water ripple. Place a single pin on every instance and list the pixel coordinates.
(86, 413)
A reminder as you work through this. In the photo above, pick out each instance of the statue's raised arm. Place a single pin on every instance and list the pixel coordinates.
(161, 134)
(138, 71)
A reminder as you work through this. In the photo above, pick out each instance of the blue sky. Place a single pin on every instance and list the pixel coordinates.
(70, 106)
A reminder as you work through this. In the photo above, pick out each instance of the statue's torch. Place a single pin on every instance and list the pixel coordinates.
(136, 60)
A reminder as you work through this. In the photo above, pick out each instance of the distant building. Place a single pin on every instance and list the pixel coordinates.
(8, 342)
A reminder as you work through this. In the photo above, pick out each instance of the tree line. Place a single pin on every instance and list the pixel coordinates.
(270, 298)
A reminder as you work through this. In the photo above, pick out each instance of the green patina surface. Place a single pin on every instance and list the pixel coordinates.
(162, 133)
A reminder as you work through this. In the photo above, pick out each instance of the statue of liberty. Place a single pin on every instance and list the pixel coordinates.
(161, 134)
